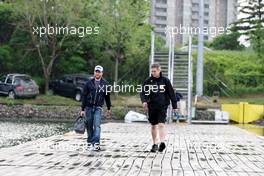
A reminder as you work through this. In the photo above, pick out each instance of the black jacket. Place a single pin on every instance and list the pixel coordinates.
(95, 97)
(158, 92)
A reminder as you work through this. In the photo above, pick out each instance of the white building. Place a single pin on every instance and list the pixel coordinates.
(185, 13)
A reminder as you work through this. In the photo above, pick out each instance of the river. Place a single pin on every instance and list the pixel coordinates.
(14, 132)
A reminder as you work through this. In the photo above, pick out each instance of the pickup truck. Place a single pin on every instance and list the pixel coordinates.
(18, 85)
(69, 86)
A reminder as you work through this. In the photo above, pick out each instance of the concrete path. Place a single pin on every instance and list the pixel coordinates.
(191, 150)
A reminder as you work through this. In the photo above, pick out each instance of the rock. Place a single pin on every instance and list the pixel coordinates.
(204, 115)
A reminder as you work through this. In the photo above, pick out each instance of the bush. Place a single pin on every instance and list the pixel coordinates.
(119, 112)
(231, 72)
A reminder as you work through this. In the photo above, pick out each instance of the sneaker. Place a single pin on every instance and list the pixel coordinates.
(162, 146)
(154, 148)
(89, 146)
(96, 147)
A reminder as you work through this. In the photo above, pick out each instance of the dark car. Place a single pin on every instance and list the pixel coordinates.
(18, 85)
(69, 86)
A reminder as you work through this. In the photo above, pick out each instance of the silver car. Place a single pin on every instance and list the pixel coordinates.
(18, 85)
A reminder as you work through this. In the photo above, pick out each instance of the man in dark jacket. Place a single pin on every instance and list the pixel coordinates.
(156, 96)
(95, 92)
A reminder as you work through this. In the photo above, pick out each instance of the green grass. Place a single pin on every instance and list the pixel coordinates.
(117, 101)
(127, 101)
(252, 99)
(41, 100)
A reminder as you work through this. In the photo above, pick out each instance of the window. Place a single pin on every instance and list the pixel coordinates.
(81, 80)
(161, 9)
(162, 1)
(69, 80)
(9, 79)
(161, 25)
(2, 79)
(161, 18)
(17, 82)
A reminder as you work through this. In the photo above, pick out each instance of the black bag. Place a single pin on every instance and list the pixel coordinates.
(79, 126)
(178, 96)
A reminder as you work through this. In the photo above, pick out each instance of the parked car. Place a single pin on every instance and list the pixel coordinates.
(18, 85)
(69, 86)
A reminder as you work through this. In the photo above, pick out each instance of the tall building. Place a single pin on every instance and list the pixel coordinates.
(185, 14)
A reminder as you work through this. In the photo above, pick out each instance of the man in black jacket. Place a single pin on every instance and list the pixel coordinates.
(95, 92)
(156, 96)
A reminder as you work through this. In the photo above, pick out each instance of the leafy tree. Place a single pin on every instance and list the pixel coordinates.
(44, 14)
(227, 42)
(7, 21)
(120, 21)
(5, 58)
(252, 24)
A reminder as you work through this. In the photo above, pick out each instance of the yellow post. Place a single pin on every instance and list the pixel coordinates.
(241, 113)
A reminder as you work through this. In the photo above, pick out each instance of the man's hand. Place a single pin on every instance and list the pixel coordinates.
(82, 113)
(175, 110)
(108, 114)
(145, 105)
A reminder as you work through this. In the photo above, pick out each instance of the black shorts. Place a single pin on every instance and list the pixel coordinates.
(157, 115)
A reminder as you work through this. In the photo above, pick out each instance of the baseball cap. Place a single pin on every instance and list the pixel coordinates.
(98, 68)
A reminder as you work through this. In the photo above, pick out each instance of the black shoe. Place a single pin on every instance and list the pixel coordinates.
(162, 146)
(154, 148)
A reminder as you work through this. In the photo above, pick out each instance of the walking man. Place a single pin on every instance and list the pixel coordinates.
(94, 94)
(157, 92)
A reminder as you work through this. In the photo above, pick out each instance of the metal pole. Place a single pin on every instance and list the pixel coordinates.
(169, 113)
(172, 57)
(152, 51)
(190, 83)
(199, 71)
(169, 59)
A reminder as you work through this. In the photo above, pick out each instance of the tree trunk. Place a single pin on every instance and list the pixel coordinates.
(116, 69)
(116, 72)
(47, 78)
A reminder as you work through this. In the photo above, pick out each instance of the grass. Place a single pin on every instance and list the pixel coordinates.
(117, 101)
(41, 100)
(120, 101)
(252, 99)
(128, 101)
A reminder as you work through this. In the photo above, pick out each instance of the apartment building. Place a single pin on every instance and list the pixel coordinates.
(185, 13)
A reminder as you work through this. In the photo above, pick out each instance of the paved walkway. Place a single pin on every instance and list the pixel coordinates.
(192, 150)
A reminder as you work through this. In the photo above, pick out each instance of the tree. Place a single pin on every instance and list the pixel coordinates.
(37, 17)
(7, 21)
(252, 24)
(5, 58)
(227, 42)
(120, 20)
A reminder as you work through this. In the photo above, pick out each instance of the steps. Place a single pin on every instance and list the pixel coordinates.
(180, 73)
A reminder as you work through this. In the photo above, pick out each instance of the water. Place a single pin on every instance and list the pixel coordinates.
(15, 132)
(257, 129)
